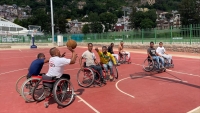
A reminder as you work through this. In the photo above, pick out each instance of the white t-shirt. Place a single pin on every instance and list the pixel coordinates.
(56, 66)
(90, 57)
(160, 50)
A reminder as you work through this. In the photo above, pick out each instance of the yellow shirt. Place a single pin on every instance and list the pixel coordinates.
(106, 58)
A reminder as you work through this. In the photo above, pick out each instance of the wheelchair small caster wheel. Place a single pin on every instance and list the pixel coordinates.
(46, 105)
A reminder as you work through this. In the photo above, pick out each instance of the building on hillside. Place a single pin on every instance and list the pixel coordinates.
(142, 9)
(150, 2)
(163, 23)
(11, 12)
(123, 24)
(81, 4)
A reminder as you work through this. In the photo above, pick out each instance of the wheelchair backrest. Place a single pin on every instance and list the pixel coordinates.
(84, 64)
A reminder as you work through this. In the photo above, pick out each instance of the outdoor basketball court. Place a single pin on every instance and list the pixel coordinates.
(175, 91)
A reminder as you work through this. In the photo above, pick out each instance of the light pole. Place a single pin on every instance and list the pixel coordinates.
(52, 24)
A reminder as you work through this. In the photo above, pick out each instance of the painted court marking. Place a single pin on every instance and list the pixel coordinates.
(81, 99)
(173, 71)
(196, 110)
(116, 85)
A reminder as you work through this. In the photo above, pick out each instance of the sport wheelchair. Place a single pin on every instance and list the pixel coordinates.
(27, 87)
(61, 89)
(152, 65)
(123, 58)
(88, 76)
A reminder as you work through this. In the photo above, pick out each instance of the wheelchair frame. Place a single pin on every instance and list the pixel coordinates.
(94, 76)
(55, 91)
(123, 58)
(154, 64)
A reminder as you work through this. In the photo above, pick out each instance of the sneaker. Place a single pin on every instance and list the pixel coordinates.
(103, 81)
(118, 64)
(107, 77)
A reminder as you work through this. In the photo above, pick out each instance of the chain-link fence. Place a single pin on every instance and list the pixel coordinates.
(183, 35)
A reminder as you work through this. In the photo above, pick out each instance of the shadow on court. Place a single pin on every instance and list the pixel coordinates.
(152, 76)
(80, 91)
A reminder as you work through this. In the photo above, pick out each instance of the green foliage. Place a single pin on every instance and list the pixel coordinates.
(96, 27)
(85, 29)
(164, 5)
(143, 20)
(189, 10)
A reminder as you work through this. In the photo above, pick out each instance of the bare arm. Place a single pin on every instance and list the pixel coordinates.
(149, 54)
(46, 60)
(97, 50)
(80, 62)
(158, 54)
(120, 49)
(74, 56)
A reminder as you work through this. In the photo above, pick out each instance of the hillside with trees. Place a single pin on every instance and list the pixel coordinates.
(97, 11)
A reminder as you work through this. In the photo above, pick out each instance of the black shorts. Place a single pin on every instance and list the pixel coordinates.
(50, 84)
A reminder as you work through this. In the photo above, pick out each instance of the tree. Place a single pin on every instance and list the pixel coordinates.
(85, 29)
(143, 20)
(190, 12)
(96, 27)
(108, 19)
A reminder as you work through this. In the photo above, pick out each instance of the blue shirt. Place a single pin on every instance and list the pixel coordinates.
(36, 67)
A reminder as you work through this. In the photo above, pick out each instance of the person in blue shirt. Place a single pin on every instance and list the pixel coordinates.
(36, 65)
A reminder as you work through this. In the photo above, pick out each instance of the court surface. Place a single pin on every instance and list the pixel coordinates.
(175, 91)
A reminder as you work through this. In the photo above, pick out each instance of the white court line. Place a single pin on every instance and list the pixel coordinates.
(183, 73)
(20, 50)
(13, 71)
(32, 56)
(76, 95)
(196, 110)
(174, 71)
(81, 99)
(116, 85)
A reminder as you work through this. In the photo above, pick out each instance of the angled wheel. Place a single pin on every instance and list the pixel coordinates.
(27, 89)
(115, 73)
(19, 83)
(148, 65)
(63, 92)
(38, 91)
(85, 77)
(172, 64)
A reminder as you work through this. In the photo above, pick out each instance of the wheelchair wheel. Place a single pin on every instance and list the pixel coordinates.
(38, 91)
(148, 65)
(172, 64)
(19, 83)
(63, 92)
(85, 77)
(126, 59)
(27, 89)
(115, 72)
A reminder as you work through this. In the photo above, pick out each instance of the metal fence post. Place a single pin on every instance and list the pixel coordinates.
(142, 36)
(155, 34)
(190, 34)
(171, 35)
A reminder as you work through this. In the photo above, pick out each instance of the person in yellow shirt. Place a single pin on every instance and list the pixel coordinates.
(107, 59)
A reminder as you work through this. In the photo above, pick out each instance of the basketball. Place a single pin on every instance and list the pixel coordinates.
(71, 43)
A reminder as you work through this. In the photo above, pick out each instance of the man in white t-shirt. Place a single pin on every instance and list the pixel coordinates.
(161, 51)
(57, 63)
(91, 61)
